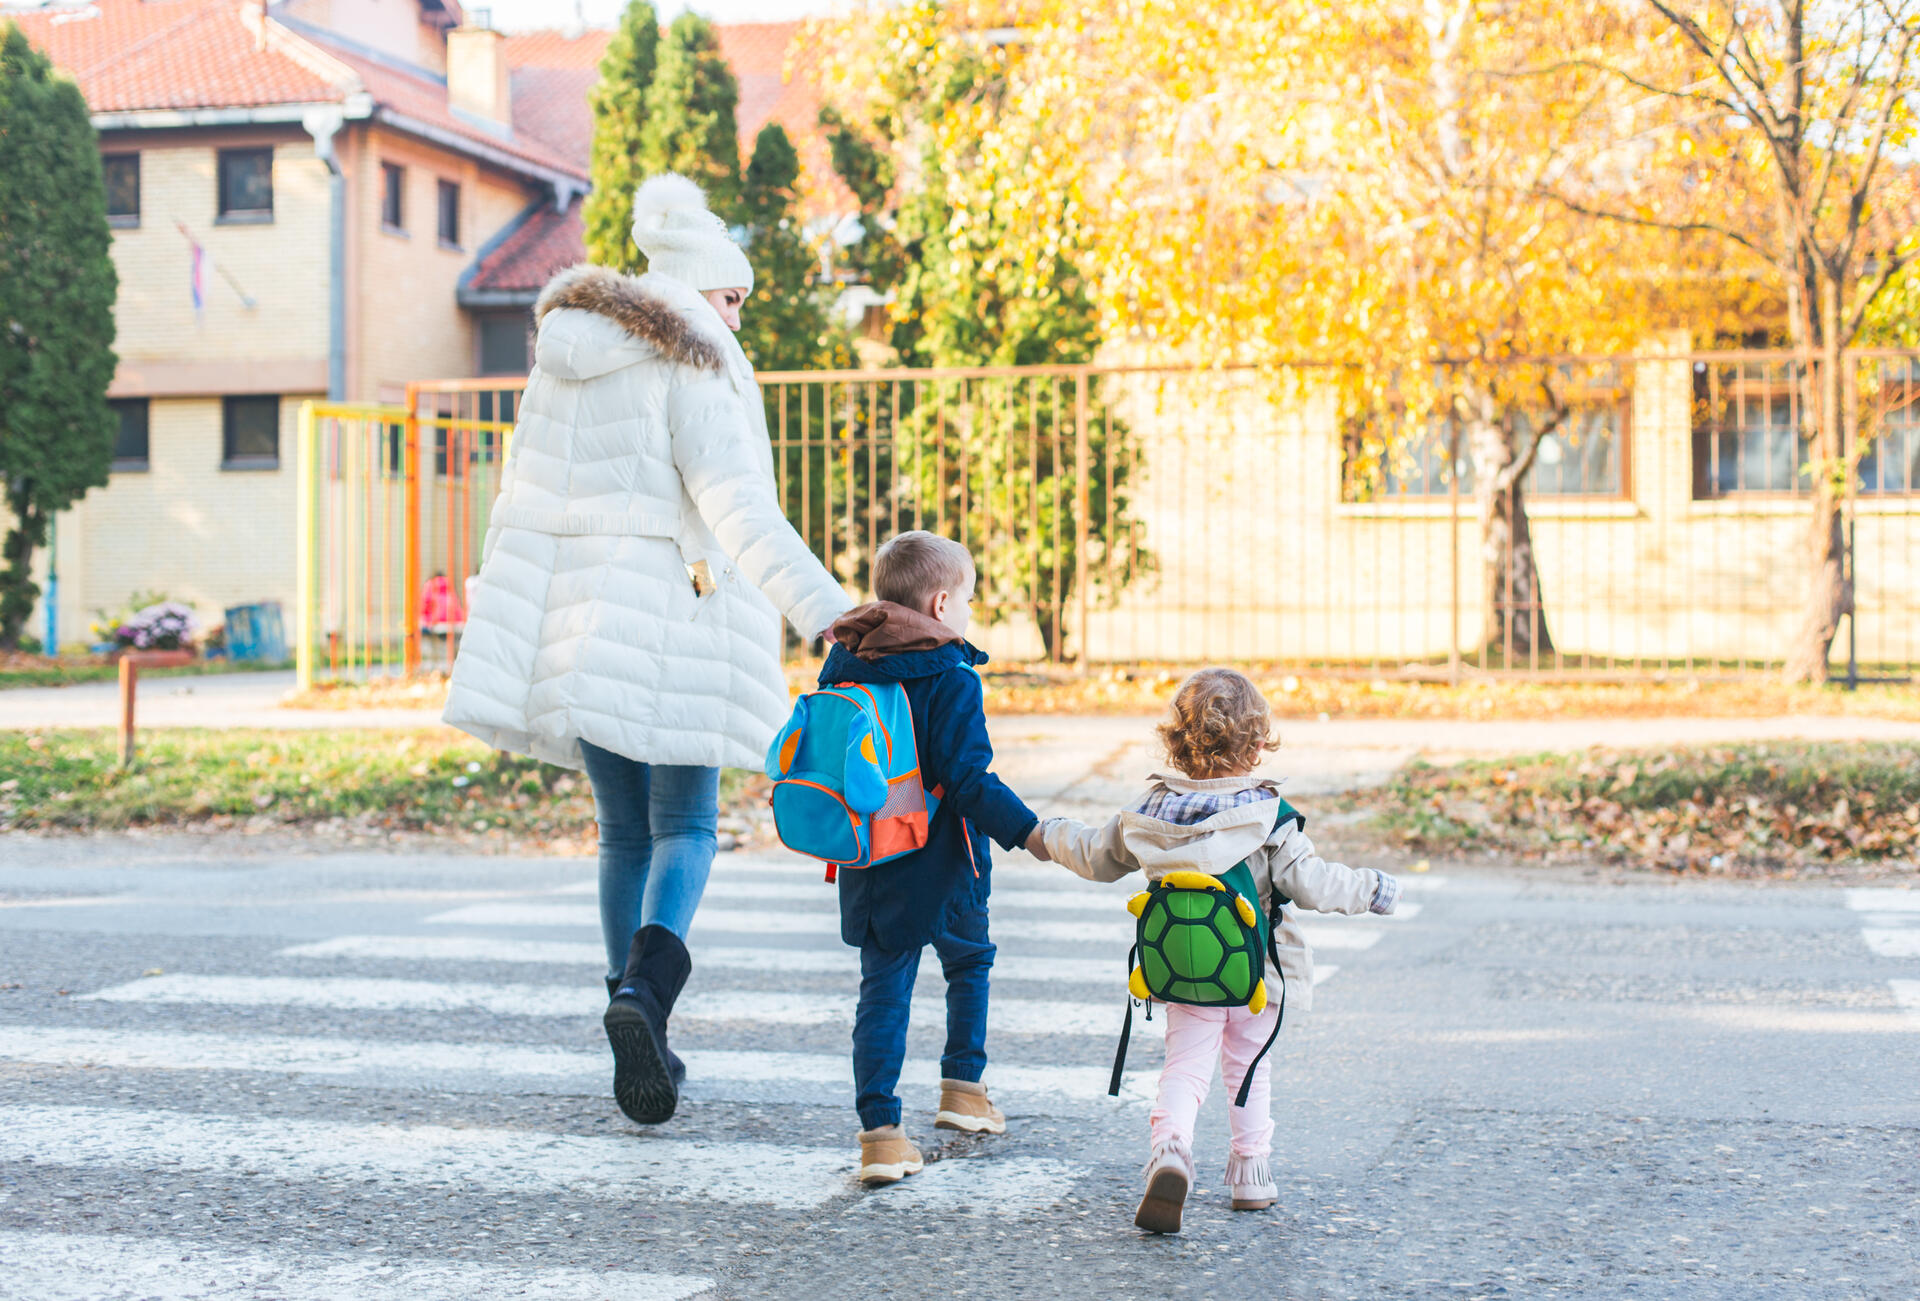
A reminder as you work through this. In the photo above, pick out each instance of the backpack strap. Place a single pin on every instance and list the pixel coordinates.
(1126, 1033)
(1280, 1015)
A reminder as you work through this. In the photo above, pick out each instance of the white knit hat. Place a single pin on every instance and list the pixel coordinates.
(683, 239)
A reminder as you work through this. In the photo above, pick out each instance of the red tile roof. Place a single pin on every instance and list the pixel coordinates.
(423, 97)
(523, 262)
(130, 55)
(169, 54)
(554, 71)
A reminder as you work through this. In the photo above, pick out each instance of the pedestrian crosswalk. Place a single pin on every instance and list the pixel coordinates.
(509, 989)
(60, 1267)
(1890, 927)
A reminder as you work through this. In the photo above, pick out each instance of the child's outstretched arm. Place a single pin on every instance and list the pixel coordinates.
(1093, 852)
(1312, 882)
(959, 759)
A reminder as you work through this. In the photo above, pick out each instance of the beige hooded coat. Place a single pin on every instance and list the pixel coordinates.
(1278, 856)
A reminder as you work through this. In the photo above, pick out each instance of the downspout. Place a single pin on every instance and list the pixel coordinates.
(324, 124)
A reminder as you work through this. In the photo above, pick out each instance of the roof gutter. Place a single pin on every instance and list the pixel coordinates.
(354, 108)
(568, 183)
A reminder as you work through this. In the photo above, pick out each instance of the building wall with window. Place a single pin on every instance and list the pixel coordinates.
(1251, 544)
(207, 516)
(407, 321)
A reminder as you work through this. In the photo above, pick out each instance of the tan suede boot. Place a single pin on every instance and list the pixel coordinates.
(964, 1106)
(1169, 1177)
(887, 1156)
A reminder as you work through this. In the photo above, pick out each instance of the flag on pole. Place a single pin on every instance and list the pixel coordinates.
(199, 278)
(199, 267)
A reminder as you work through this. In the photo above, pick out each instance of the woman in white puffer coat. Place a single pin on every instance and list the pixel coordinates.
(626, 618)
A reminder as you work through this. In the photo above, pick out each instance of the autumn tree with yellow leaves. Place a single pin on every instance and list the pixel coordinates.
(1793, 123)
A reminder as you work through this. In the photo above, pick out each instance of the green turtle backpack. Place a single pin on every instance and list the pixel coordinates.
(1203, 941)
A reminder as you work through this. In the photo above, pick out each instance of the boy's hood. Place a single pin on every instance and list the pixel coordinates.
(883, 628)
(884, 642)
(1212, 845)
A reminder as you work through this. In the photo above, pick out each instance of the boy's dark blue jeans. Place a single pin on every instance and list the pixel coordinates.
(886, 996)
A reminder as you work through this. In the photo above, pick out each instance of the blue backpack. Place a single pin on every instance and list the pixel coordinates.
(846, 777)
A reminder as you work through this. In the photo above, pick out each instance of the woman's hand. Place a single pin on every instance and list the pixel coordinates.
(828, 637)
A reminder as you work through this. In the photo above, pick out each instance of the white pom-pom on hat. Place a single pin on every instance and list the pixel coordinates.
(685, 240)
(661, 196)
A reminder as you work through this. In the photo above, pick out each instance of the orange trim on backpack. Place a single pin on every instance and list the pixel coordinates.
(852, 818)
(898, 835)
(877, 720)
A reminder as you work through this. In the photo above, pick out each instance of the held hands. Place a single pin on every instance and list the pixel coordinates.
(1037, 844)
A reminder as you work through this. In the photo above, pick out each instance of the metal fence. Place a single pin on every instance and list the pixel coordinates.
(1122, 515)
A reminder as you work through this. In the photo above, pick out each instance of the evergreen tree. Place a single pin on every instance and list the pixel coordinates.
(691, 123)
(57, 287)
(787, 324)
(619, 115)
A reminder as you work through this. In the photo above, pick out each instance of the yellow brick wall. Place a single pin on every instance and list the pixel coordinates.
(409, 323)
(208, 537)
(282, 264)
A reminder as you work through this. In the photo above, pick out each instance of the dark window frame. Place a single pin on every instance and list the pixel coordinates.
(229, 460)
(228, 159)
(393, 198)
(122, 220)
(124, 464)
(1749, 441)
(448, 231)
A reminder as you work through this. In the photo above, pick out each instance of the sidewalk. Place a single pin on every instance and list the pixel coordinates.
(1066, 762)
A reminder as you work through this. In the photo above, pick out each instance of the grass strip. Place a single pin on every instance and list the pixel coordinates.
(69, 779)
(67, 673)
(1732, 809)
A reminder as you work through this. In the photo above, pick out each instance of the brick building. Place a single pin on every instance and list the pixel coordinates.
(310, 198)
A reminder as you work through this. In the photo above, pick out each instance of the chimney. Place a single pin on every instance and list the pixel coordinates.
(477, 71)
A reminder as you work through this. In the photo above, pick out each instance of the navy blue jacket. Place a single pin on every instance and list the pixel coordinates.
(901, 904)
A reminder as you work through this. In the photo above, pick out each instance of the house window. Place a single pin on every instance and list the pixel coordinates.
(121, 173)
(393, 184)
(449, 214)
(1584, 457)
(250, 433)
(503, 345)
(1748, 435)
(246, 185)
(1892, 420)
(130, 441)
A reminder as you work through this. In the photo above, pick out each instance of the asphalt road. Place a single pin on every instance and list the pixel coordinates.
(383, 1076)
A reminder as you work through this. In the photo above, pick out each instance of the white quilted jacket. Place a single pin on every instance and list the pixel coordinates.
(641, 452)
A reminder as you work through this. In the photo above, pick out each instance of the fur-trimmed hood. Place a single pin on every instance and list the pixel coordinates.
(617, 320)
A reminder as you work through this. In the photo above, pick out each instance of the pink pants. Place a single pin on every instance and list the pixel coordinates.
(1197, 1038)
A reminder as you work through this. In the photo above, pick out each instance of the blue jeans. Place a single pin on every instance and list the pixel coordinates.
(657, 825)
(886, 997)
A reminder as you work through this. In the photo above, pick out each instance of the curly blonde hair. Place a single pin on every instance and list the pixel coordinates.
(1218, 725)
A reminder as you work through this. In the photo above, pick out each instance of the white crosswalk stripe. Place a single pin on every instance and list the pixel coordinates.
(720, 1006)
(57, 1267)
(1114, 929)
(1890, 928)
(717, 1075)
(837, 961)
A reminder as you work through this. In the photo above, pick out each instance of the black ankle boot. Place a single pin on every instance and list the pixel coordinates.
(646, 1074)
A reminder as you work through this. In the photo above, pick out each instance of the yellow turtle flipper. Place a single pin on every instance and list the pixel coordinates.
(1245, 910)
(1192, 881)
(1258, 1002)
(1136, 904)
(1137, 985)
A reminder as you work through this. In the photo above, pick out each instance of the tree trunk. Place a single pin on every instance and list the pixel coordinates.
(1830, 586)
(1515, 627)
(18, 591)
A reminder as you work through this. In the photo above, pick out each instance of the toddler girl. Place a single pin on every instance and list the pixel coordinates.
(1212, 814)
